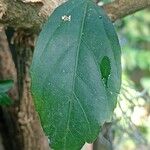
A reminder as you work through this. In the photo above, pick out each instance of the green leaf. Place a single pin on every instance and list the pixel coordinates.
(67, 74)
(5, 100)
(5, 85)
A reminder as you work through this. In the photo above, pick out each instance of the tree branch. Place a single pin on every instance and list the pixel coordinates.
(121, 8)
(18, 14)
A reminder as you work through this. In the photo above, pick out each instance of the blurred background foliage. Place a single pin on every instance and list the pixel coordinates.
(131, 121)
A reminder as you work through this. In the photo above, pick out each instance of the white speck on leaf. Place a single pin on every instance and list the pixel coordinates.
(66, 18)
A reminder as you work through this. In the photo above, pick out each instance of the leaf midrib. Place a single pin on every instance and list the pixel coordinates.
(75, 71)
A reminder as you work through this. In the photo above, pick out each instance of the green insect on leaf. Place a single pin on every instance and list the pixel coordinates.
(105, 68)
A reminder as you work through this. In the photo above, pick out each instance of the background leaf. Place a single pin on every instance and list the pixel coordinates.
(67, 83)
(5, 85)
(5, 100)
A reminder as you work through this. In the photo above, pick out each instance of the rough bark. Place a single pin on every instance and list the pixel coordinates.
(121, 8)
(32, 14)
(8, 71)
(33, 135)
(21, 120)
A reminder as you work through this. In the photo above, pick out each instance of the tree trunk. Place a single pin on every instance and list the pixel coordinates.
(25, 132)
(8, 71)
